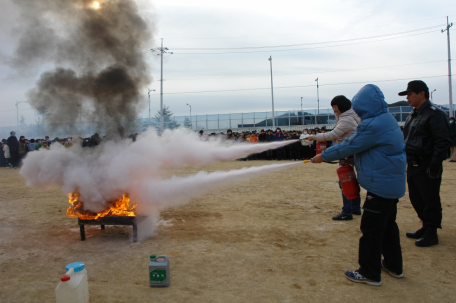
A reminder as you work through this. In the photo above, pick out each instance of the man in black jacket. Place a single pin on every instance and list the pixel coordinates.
(13, 145)
(427, 138)
(262, 139)
(269, 138)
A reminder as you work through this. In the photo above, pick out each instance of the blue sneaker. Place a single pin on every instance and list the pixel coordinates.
(397, 276)
(355, 276)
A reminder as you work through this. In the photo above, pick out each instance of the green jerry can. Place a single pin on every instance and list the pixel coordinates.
(159, 271)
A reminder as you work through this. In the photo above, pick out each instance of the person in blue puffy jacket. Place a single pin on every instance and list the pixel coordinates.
(380, 161)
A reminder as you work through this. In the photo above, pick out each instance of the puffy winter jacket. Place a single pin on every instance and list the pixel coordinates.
(278, 137)
(378, 146)
(346, 124)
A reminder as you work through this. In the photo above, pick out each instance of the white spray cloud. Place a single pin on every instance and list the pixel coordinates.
(103, 174)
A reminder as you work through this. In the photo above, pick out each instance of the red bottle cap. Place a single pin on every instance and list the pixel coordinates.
(65, 278)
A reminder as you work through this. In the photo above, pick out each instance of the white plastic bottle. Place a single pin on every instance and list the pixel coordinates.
(73, 286)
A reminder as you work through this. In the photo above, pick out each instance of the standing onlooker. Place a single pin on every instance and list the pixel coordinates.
(346, 122)
(253, 138)
(427, 138)
(13, 145)
(453, 140)
(378, 147)
(313, 144)
(68, 142)
(306, 145)
(32, 145)
(262, 139)
(278, 136)
(22, 149)
(269, 138)
(2, 156)
(229, 135)
(7, 155)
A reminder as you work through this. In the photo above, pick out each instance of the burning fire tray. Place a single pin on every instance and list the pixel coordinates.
(113, 220)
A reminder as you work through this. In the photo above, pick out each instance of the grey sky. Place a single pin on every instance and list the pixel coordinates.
(238, 24)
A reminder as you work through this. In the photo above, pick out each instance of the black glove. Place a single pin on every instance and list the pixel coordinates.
(434, 170)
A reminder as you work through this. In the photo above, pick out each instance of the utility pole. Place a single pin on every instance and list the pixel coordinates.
(190, 115)
(272, 94)
(150, 90)
(301, 112)
(162, 50)
(450, 87)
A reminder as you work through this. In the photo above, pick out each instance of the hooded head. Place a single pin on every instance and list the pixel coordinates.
(369, 102)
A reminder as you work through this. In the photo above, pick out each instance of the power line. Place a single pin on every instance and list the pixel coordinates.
(314, 43)
(294, 49)
(344, 30)
(300, 86)
(11, 110)
(308, 73)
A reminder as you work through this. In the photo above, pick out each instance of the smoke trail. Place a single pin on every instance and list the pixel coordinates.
(158, 196)
(98, 54)
(157, 193)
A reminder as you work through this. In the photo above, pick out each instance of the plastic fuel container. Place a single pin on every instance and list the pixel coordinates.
(73, 286)
(159, 275)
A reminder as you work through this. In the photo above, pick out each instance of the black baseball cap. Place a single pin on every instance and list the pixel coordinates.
(415, 86)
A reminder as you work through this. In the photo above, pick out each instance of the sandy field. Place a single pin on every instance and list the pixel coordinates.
(265, 239)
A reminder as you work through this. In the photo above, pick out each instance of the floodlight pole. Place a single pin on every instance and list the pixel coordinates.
(318, 98)
(272, 94)
(450, 87)
(432, 93)
(161, 88)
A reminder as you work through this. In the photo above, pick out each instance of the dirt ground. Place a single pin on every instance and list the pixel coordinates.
(266, 239)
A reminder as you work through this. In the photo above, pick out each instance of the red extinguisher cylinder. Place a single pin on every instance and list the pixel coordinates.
(321, 146)
(348, 182)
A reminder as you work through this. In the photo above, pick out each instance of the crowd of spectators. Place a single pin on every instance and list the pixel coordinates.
(294, 151)
(14, 150)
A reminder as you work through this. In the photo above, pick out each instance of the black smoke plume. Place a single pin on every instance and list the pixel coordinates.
(96, 52)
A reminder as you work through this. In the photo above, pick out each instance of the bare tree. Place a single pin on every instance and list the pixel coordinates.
(42, 113)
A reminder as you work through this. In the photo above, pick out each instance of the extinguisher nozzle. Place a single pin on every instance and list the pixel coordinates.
(306, 161)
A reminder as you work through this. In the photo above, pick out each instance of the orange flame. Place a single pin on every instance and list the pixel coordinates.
(120, 208)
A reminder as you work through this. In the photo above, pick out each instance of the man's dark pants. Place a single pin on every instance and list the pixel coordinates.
(15, 158)
(380, 237)
(424, 193)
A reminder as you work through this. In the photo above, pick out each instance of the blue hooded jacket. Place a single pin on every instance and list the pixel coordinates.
(378, 146)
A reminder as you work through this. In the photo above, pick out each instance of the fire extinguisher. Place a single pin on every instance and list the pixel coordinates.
(321, 146)
(348, 182)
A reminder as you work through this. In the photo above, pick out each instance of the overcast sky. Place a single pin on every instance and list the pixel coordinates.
(237, 77)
